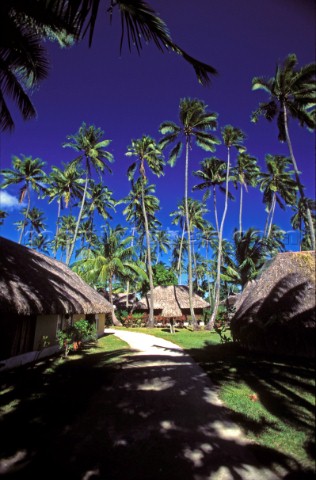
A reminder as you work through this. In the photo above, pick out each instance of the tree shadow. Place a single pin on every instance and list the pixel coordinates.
(274, 379)
(149, 417)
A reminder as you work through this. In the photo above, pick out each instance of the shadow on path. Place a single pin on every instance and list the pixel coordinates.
(155, 417)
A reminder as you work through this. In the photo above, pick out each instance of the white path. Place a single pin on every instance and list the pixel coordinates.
(168, 422)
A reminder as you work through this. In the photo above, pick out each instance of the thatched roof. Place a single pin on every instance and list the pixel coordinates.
(32, 283)
(172, 301)
(119, 299)
(277, 311)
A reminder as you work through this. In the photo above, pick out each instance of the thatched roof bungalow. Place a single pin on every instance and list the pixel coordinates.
(172, 302)
(38, 295)
(276, 312)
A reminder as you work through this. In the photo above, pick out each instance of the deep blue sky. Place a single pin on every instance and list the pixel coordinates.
(129, 95)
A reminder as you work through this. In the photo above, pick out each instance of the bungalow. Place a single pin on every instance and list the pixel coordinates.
(39, 296)
(172, 303)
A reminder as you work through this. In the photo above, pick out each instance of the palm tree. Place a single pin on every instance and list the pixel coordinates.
(162, 241)
(36, 222)
(113, 257)
(300, 217)
(67, 227)
(147, 152)
(196, 221)
(195, 123)
(24, 62)
(41, 243)
(90, 146)
(250, 252)
(63, 185)
(180, 248)
(140, 24)
(100, 200)
(245, 173)
(212, 174)
(28, 172)
(292, 94)
(277, 186)
(232, 137)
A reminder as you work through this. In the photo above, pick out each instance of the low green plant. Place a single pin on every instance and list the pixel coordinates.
(73, 336)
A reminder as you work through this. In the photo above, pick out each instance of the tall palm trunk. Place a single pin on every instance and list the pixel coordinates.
(68, 258)
(26, 215)
(271, 213)
(115, 321)
(219, 254)
(57, 226)
(193, 318)
(297, 177)
(128, 282)
(180, 251)
(149, 265)
(215, 209)
(240, 208)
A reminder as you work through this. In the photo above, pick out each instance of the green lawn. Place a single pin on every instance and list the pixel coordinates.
(53, 409)
(272, 399)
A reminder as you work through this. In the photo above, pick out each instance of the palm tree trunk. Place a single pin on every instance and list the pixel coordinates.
(68, 258)
(150, 272)
(219, 254)
(180, 251)
(272, 210)
(193, 318)
(57, 227)
(26, 215)
(215, 209)
(298, 180)
(115, 321)
(240, 208)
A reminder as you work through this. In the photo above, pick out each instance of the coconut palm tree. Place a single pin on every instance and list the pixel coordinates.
(36, 222)
(250, 252)
(178, 253)
(300, 218)
(291, 94)
(195, 124)
(24, 62)
(113, 257)
(92, 154)
(212, 174)
(245, 173)
(29, 172)
(149, 154)
(162, 243)
(277, 186)
(140, 25)
(63, 186)
(67, 227)
(100, 200)
(41, 243)
(232, 137)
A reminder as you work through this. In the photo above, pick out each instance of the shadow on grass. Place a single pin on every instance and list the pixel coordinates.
(86, 418)
(278, 382)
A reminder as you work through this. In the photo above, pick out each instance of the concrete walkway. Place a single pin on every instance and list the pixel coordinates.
(167, 421)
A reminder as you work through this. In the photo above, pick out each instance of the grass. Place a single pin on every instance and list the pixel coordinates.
(52, 409)
(271, 398)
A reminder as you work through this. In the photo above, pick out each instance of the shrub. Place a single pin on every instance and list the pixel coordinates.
(73, 336)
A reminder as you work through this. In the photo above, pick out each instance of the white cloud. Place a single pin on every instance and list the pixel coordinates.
(8, 202)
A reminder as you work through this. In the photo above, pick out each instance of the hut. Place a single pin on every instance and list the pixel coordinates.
(172, 303)
(38, 296)
(276, 312)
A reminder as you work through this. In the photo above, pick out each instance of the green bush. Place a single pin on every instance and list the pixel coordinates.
(73, 336)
